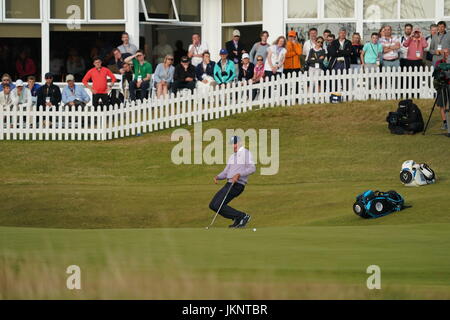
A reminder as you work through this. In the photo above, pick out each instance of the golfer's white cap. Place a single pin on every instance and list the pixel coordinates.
(245, 56)
(235, 140)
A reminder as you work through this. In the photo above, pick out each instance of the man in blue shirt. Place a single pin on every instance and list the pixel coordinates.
(6, 79)
(73, 95)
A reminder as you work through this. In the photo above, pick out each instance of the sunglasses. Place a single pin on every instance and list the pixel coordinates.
(184, 61)
(170, 59)
(259, 60)
(320, 42)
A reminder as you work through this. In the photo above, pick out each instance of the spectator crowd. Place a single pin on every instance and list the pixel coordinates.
(195, 69)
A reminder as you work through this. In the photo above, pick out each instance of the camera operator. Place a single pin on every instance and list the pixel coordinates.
(443, 98)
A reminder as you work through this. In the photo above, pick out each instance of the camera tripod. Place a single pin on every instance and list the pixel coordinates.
(444, 92)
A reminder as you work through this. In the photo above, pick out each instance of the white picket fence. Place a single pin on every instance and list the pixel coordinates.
(130, 119)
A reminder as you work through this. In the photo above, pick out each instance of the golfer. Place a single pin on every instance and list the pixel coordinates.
(239, 167)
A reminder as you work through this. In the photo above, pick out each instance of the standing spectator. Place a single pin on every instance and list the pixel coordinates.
(127, 78)
(127, 47)
(162, 50)
(316, 57)
(235, 49)
(6, 80)
(196, 50)
(25, 66)
(33, 87)
(163, 76)
(258, 74)
(443, 99)
(184, 76)
(429, 56)
(74, 95)
(357, 47)
(391, 47)
(224, 70)
(325, 35)
(309, 44)
(179, 52)
(293, 52)
(117, 62)
(246, 69)
(403, 49)
(7, 100)
(416, 45)
(276, 55)
(371, 53)
(22, 95)
(142, 74)
(440, 42)
(48, 94)
(340, 51)
(260, 48)
(204, 73)
(100, 87)
(75, 64)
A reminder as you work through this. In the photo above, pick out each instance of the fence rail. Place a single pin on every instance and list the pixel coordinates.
(129, 119)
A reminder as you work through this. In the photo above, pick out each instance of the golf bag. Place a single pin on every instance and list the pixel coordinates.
(116, 97)
(375, 204)
(415, 175)
(407, 119)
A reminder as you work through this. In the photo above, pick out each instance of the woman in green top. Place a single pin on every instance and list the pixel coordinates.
(142, 73)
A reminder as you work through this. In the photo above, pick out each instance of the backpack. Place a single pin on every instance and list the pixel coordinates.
(407, 119)
(415, 174)
(375, 204)
(116, 97)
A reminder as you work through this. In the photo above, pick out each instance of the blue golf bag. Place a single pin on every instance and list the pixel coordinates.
(376, 204)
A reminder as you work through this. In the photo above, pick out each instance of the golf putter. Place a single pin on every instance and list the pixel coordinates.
(217, 213)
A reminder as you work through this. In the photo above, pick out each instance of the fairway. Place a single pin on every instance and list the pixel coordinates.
(135, 222)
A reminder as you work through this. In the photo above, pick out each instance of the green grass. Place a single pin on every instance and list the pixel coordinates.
(149, 215)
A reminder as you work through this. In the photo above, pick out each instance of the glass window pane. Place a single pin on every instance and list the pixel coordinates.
(302, 9)
(107, 9)
(22, 9)
(397, 28)
(161, 9)
(380, 9)
(59, 8)
(447, 8)
(232, 11)
(302, 28)
(188, 10)
(339, 9)
(417, 9)
(253, 10)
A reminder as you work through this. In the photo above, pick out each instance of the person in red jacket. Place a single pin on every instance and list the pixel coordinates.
(25, 66)
(100, 87)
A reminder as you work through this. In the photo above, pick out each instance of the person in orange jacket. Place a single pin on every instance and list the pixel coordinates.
(294, 51)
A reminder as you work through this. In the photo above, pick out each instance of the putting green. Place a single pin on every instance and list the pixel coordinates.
(149, 215)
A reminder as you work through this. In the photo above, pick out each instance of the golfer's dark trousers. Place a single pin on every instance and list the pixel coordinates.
(227, 211)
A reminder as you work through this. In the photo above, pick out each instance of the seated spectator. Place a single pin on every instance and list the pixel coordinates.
(224, 70)
(48, 95)
(33, 87)
(127, 47)
(316, 56)
(246, 69)
(372, 53)
(205, 73)
(117, 62)
(258, 71)
(75, 64)
(184, 76)
(25, 66)
(294, 50)
(163, 76)
(142, 74)
(416, 45)
(127, 76)
(57, 66)
(74, 95)
(6, 79)
(7, 99)
(162, 50)
(22, 95)
(100, 87)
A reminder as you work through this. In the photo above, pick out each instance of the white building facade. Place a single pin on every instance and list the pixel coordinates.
(49, 29)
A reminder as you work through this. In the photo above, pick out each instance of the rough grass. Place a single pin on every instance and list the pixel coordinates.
(308, 244)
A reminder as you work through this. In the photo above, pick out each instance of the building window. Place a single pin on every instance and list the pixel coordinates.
(22, 9)
(339, 9)
(107, 10)
(232, 11)
(162, 9)
(380, 9)
(59, 8)
(302, 28)
(302, 9)
(188, 10)
(447, 8)
(417, 9)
